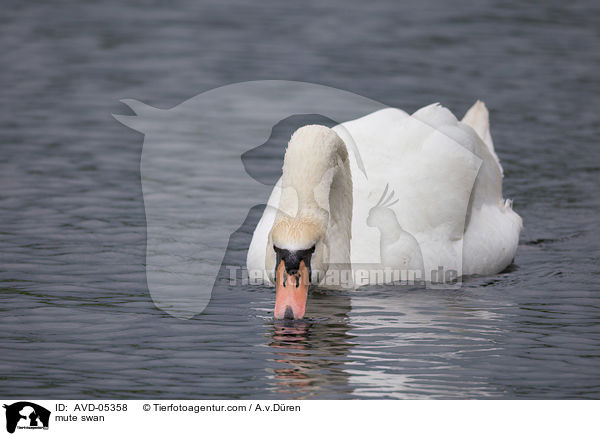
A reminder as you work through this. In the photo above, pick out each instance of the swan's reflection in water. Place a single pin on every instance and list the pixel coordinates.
(396, 344)
(309, 355)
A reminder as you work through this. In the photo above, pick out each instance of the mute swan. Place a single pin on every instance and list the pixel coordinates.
(441, 210)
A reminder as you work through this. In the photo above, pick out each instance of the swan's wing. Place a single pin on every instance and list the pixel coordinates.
(478, 118)
(493, 228)
(432, 173)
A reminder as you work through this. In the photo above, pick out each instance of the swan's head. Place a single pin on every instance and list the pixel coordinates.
(300, 253)
(316, 188)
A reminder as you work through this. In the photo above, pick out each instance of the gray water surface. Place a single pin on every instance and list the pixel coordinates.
(77, 320)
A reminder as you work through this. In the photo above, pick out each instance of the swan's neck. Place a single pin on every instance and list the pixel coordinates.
(316, 196)
(339, 230)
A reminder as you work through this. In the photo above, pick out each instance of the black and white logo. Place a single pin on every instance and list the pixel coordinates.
(26, 415)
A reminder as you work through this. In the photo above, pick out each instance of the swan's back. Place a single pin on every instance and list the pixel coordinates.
(448, 182)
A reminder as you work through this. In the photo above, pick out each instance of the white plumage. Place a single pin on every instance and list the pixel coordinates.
(447, 208)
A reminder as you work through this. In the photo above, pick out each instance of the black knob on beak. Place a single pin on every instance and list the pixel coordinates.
(292, 259)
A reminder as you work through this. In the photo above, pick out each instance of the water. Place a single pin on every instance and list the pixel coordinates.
(77, 320)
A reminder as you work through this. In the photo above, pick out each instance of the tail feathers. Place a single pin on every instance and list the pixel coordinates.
(478, 118)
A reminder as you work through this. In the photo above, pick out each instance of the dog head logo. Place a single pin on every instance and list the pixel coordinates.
(24, 414)
(197, 192)
(193, 205)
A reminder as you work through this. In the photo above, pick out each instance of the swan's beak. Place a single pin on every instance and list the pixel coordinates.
(291, 292)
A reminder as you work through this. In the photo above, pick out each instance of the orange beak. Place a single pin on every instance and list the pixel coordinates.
(291, 292)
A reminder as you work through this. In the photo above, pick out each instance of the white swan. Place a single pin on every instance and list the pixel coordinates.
(441, 212)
